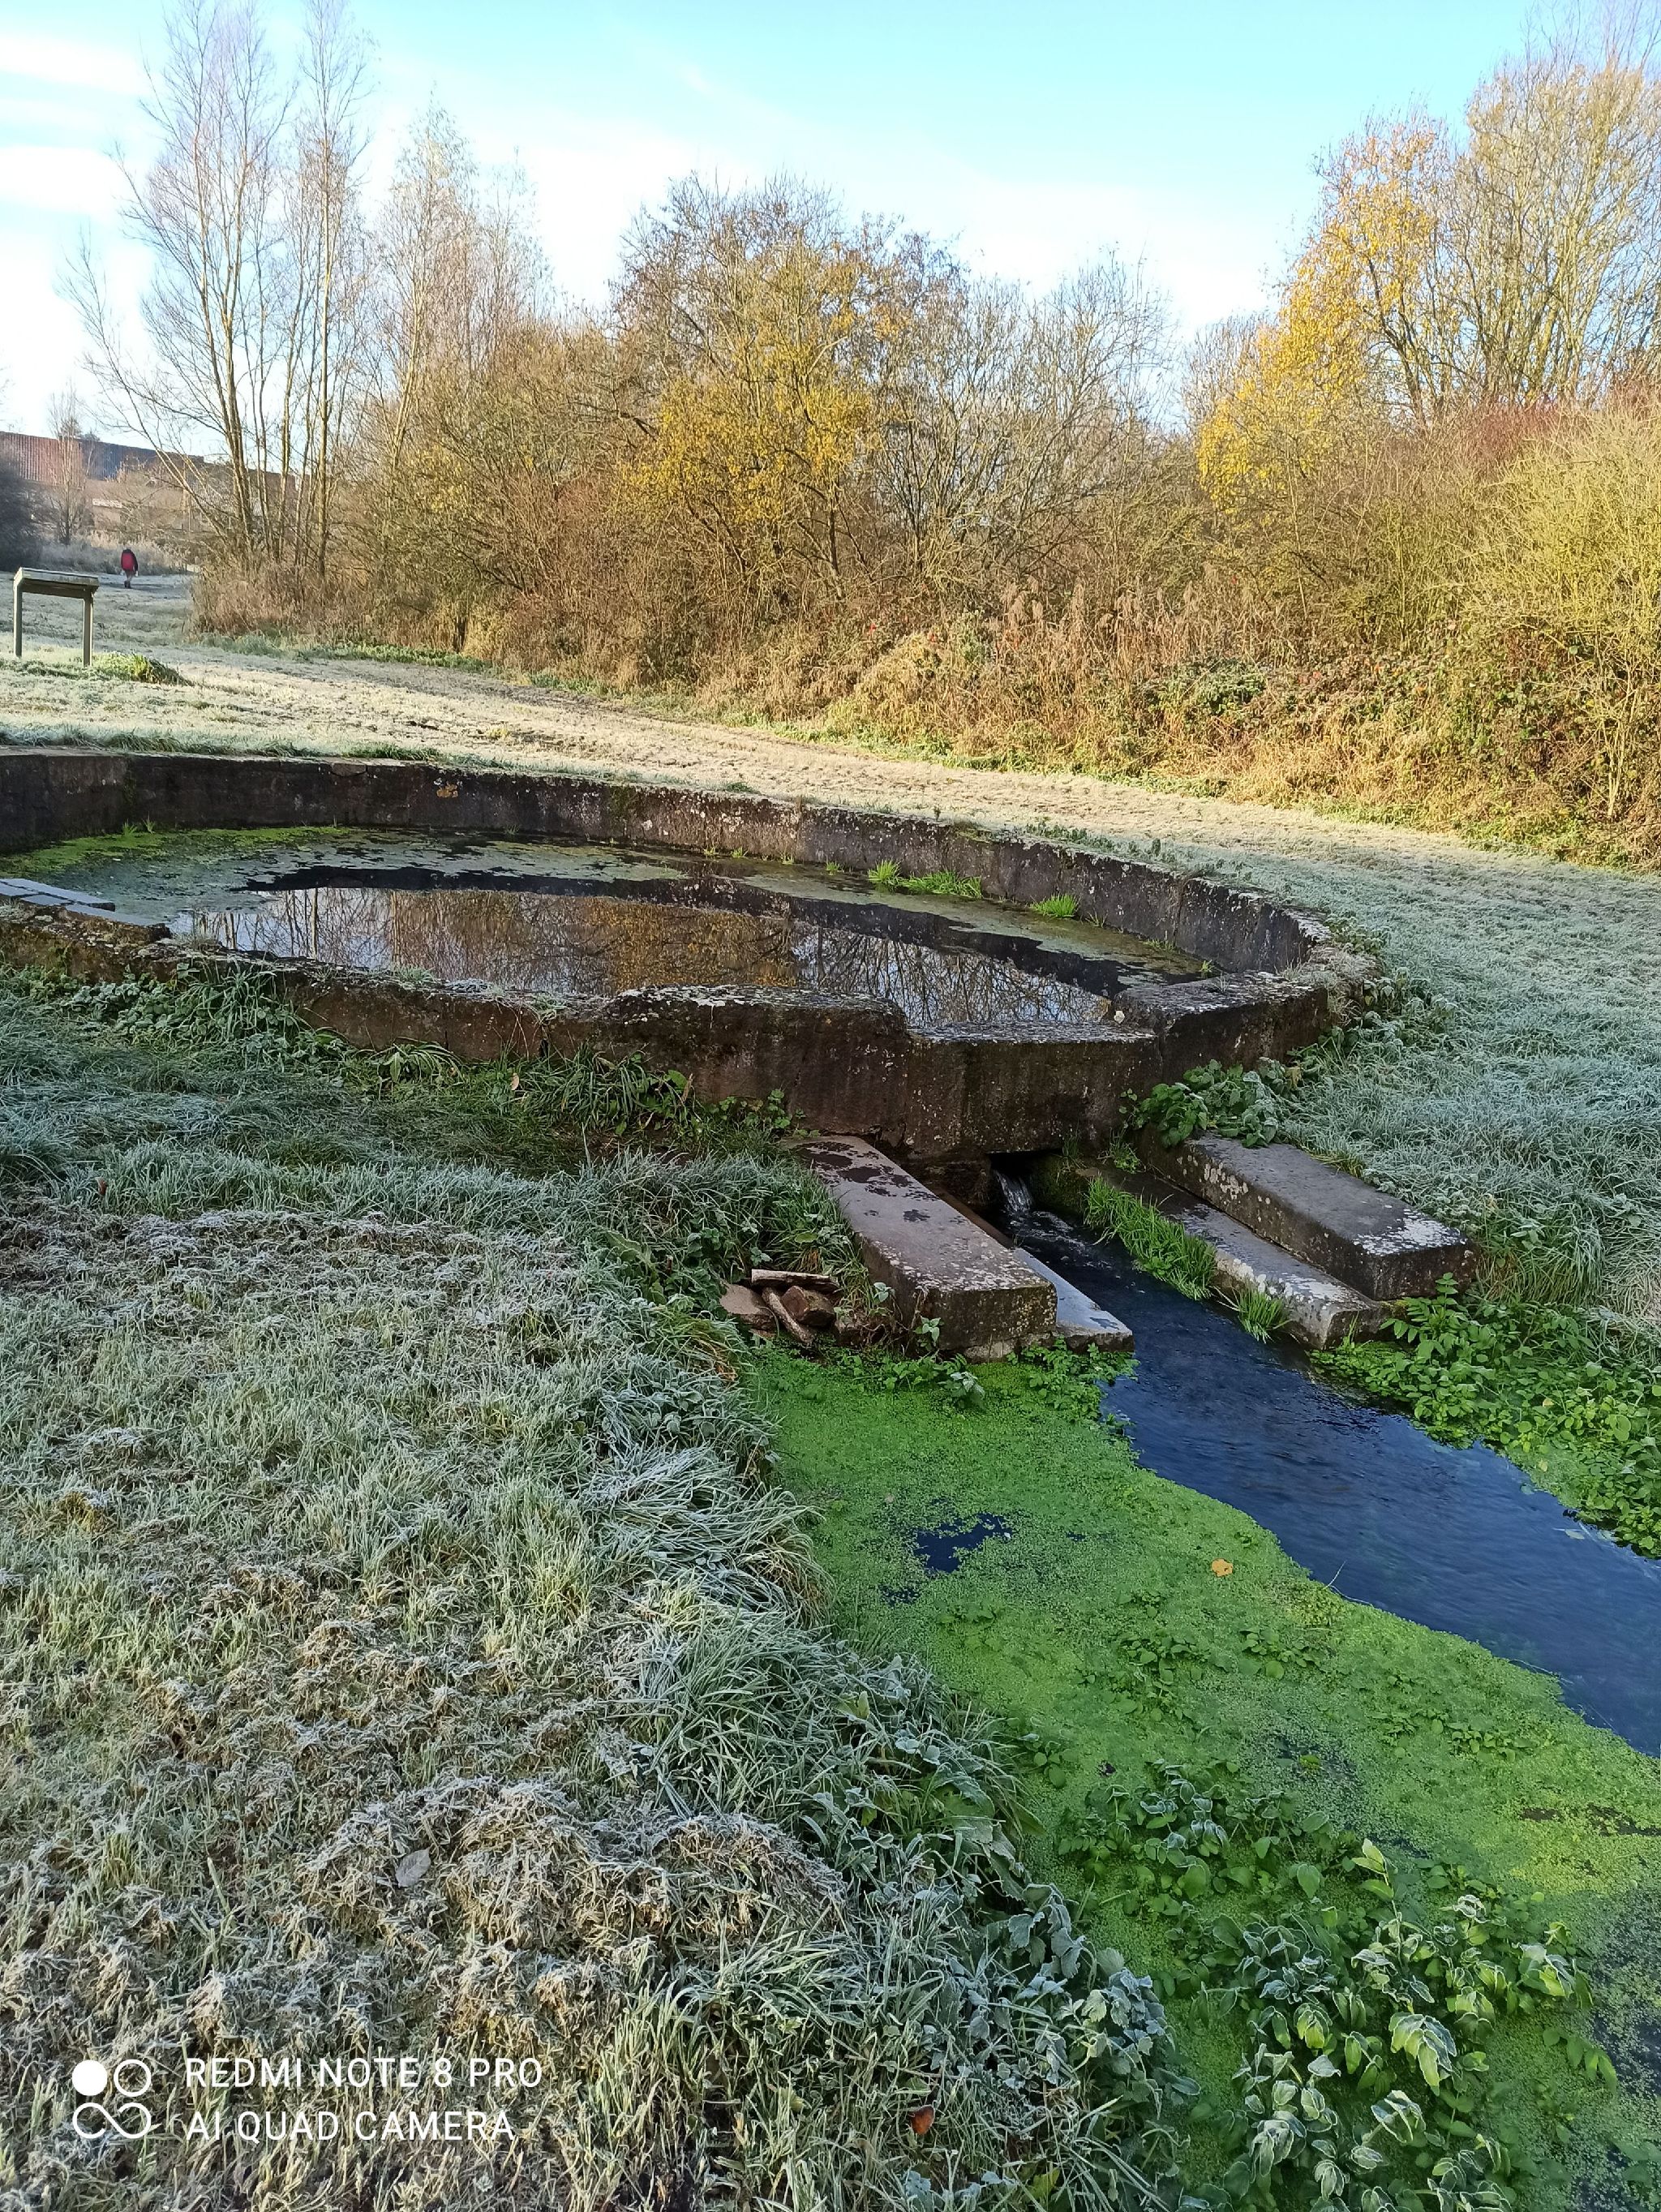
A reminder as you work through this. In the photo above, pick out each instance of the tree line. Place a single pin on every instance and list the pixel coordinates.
(814, 461)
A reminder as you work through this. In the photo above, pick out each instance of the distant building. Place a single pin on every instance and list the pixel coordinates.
(37, 460)
(127, 492)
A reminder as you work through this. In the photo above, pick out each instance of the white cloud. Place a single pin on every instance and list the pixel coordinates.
(590, 179)
(60, 179)
(94, 68)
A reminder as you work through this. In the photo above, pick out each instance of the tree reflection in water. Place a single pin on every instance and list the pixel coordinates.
(583, 947)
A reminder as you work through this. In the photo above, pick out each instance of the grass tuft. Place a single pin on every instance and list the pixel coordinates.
(135, 668)
(1163, 1247)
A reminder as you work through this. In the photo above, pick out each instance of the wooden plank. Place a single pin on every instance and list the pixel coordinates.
(55, 587)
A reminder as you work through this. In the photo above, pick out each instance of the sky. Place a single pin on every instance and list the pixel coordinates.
(1183, 135)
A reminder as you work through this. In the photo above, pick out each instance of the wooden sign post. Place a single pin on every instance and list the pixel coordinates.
(53, 585)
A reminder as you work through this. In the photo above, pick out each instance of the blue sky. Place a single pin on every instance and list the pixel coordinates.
(1183, 135)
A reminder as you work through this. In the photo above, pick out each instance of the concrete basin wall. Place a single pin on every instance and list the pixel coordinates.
(850, 1065)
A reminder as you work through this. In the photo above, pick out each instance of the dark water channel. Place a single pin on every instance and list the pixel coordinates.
(573, 921)
(1370, 1505)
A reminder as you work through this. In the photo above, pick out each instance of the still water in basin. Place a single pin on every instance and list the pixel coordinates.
(1456, 1539)
(572, 922)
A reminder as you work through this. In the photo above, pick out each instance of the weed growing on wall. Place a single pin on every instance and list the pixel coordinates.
(942, 883)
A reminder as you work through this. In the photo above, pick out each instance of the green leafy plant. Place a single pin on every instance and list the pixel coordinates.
(1151, 1663)
(1234, 1102)
(1066, 1381)
(1366, 2080)
(1280, 1654)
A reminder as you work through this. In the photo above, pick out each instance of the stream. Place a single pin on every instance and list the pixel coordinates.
(1456, 1539)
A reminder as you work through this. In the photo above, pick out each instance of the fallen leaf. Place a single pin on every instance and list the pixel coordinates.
(1222, 1566)
(410, 1869)
(922, 2120)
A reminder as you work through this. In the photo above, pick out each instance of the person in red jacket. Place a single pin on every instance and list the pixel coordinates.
(129, 567)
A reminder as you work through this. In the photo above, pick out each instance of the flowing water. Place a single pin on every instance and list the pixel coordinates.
(1457, 1540)
(574, 922)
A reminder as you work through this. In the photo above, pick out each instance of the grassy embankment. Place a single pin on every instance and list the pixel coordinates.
(1420, 743)
(406, 1653)
(1094, 1622)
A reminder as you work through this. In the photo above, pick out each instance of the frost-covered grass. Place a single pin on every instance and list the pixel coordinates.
(406, 1652)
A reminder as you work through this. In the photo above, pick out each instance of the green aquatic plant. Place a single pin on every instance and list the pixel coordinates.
(1259, 1313)
(1064, 907)
(942, 883)
(1155, 1242)
(1103, 1625)
(1365, 2075)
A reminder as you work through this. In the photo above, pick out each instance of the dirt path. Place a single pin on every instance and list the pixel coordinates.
(350, 705)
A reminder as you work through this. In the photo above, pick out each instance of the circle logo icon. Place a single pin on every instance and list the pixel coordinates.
(128, 2080)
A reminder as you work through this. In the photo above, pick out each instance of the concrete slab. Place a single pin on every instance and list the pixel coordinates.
(1081, 1323)
(938, 1265)
(1384, 1247)
(1319, 1309)
(25, 887)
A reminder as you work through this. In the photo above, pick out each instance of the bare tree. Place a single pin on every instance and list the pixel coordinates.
(250, 217)
(1014, 419)
(323, 227)
(71, 510)
(458, 279)
(1518, 266)
(1215, 362)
